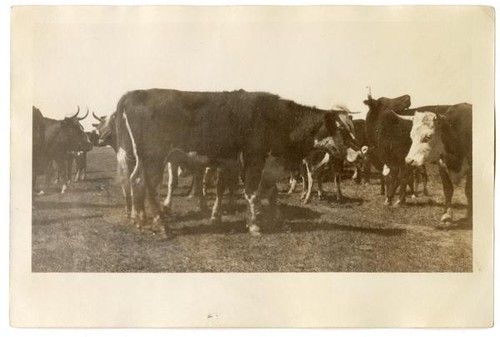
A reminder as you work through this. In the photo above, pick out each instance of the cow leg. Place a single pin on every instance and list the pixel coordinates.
(293, 184)
(310, 183)
(390, 182)
(219, 193)
(403, 183)
(208, 177)
(305, 182)
(273, 204)
(138, 188)
(167, 203)
(198, 190)
(321, 192)
(124, 175)
(253, 177)
(382, 185)
(468, 194)
(425, 179)
(448, 192)
(366, 171)
(197, 181)
(153, 176)
(357, 176)
(66, 166)
(412, 180)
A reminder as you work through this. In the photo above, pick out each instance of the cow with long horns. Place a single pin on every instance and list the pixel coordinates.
(60, 137)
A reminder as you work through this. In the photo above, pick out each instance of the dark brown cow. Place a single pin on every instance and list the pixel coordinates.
(445, 137)
(60, 137)
(216, 127)
(389, 140)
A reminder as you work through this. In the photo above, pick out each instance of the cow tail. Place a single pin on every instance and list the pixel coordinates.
(134, 147)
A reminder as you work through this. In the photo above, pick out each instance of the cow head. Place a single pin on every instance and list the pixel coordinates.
(72, 134)
(105, 129)
(330, 138)
(397, 104)
(426, 139)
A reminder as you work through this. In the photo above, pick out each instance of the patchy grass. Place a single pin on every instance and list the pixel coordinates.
(85, 230)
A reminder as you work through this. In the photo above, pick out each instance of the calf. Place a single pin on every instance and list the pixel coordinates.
(81, 165)
(445, 138)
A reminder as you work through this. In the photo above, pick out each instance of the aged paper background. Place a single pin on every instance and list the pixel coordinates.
(250, 300)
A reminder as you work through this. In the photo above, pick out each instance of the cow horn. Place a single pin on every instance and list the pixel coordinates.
(369, 92)
(408, 118)
(77, 112)
(80, 118)
(95, 116)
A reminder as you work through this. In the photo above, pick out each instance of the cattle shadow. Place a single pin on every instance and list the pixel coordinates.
(289, 212)
(39, 205)
(415, 203)
(460, 224)
(64, 219)
(284, 227)
(310, 226)
(331, 199)
(226, 227)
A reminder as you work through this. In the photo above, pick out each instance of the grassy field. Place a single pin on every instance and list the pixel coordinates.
(85, 230)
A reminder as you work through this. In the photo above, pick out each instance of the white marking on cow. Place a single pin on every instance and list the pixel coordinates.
(386, 170)
(134, 148)
(456, 176)
(364, 150)
(168, 200)
(425, 135)
(351, 155)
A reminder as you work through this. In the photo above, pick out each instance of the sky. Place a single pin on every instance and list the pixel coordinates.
(319, 57)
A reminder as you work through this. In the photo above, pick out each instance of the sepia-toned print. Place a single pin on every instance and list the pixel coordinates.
(165, 177)
(257, 166)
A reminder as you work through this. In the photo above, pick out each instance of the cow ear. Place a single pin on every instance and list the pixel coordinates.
(330, 122)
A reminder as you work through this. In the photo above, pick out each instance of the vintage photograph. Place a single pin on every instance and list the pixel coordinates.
(251, 149)
(210, 147)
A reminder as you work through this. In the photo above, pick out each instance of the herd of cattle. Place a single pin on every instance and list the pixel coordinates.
(258, 138)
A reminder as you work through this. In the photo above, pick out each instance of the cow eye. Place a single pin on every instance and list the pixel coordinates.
(426, 139)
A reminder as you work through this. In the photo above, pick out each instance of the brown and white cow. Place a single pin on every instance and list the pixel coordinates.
(445, 138)
(217, 125)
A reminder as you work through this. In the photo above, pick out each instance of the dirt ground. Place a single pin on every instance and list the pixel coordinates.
(85, 230)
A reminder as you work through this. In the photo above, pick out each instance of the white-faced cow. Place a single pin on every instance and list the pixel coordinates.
(60, 137)
(445, 137)
(218, 126)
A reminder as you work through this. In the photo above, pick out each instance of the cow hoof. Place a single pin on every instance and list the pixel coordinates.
(399, 203)
(446, 218)
(254, 230)
(302, 196)
(166, 210)
(306, 201)
(414, 196)
(41, 193)
(214, 221)
(387, 202)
